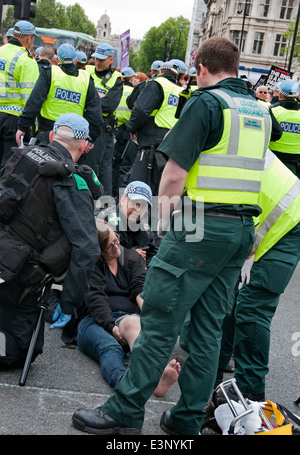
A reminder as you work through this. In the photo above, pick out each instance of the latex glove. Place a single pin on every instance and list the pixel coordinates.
(162, 227)
(246, 271)
(60, 318)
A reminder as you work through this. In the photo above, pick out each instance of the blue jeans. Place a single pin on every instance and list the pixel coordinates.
(95, 341)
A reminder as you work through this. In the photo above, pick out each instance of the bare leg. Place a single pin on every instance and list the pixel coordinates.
(169, 376)
(130, 327)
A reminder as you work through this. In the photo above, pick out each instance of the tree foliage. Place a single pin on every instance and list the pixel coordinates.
(164, 43)
(52, 14)
(289, 35)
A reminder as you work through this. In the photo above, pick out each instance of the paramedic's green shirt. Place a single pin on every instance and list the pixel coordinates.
(200, 127)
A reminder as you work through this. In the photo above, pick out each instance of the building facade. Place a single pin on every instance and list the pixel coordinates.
(197, 22)
(257, 27)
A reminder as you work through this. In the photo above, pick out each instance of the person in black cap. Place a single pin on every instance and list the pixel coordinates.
(19, 72)
(59, 89)
(59, 235)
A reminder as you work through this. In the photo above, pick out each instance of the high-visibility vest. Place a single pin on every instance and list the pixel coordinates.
(102, 85)
(279, 199)
(66, 94)
(290, 123)
(164, 117)
(231, 172)
(18, 74)
(123, 112)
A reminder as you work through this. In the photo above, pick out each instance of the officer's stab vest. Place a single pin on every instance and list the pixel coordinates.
(279, 199)
(123, 112)
(164, 117)
(66, 94)
(231, 172)
(290, 123)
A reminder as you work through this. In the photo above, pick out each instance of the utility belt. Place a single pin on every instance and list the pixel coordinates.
(110, 123)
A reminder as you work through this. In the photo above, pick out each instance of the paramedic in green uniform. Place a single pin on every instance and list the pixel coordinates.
(216, 153)
(265, 276)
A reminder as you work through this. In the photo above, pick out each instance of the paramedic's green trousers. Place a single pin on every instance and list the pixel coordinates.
(255, 308)
(184, 276)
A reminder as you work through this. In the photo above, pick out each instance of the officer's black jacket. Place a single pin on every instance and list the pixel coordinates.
(141, 123)
(43, 63)
(93, 112)
(112, 98)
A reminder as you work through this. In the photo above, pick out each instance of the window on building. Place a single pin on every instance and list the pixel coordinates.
(258, 43)
(265, 8)
(104, 34)
(244, 4)
(279, 47)
(237, 38)
(286, 9)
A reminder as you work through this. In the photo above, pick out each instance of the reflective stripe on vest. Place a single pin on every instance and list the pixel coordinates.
(290, 123)
(164, 117)
(66, 94)
(231, 171)
(280, 201)
(123, 112)
(14, 93)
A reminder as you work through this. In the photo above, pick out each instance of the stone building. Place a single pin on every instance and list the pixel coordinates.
(258, 28)
(105, 35)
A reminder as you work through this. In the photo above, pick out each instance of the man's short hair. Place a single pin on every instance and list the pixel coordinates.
(47, 51)
(218, 55)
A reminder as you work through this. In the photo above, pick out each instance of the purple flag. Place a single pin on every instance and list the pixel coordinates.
(125, 44)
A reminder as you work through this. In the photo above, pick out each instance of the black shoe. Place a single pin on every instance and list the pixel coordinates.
(96, 421)
(166, 423)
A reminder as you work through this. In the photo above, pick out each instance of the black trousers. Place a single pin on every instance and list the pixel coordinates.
(17, 323)
(8, 129)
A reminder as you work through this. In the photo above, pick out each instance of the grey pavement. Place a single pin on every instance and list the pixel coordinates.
(62, 380)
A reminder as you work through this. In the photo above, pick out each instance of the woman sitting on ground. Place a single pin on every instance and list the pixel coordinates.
(114, 305)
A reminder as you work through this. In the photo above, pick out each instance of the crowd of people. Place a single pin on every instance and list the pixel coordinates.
(101, 168)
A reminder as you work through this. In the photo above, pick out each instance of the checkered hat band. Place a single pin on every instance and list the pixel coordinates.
(76, 134)
(24, 32)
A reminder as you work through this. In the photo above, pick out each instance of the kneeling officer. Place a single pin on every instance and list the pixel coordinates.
(47, 228)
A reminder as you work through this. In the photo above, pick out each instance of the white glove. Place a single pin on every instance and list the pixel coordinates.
(162, 227)
(246, 271)
(224, 417)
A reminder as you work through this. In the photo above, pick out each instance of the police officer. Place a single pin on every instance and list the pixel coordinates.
(53, 230)
(152, 116)
(125, 149)
(193, 78)
(19, 72)
(265, 276)
(287, 113)
(130, 219)
(81, 60)
(59, 89)
(195, 268)
(109, 85)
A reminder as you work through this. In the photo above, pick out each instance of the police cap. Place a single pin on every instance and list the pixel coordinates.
(66, 53)
(103, 51)
(77, 123)
(289, 88)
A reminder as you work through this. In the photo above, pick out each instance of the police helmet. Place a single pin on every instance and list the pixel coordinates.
(192, 72)
(128, 72)
(156, 65)
(38, 50)
(289, 88)
(180, 65)
(81, 57)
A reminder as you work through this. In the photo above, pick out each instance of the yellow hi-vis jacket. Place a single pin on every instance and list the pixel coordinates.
(279, 199)
(18, 74)
(67, 94)
(123, 112)
(101, 85)
(164, 117)
(231, 172)
(290, 123)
